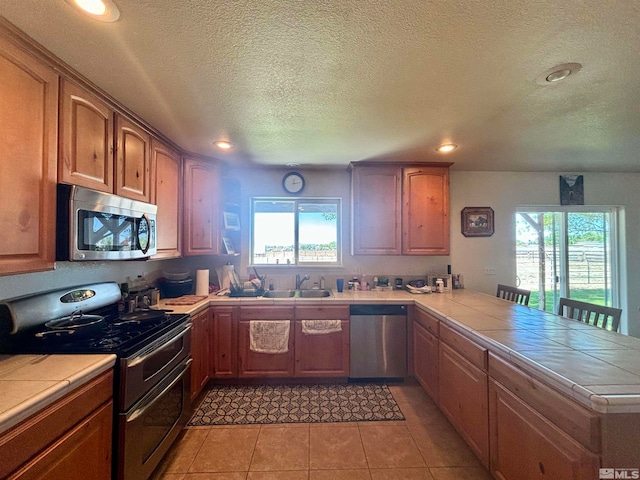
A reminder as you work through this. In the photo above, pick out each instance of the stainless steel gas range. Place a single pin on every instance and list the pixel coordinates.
(151, 387)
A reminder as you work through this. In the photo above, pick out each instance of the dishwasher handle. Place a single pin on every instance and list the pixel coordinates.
(379, 309)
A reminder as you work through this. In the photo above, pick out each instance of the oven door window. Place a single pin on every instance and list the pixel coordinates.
(106, 232)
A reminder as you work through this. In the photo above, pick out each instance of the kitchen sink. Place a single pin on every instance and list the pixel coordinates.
(314, 293)
(279, 293)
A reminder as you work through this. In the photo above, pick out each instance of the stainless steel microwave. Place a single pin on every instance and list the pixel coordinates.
(94, 225)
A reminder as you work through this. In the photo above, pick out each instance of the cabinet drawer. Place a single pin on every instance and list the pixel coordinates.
(28, 438)
(428, 321)
(576, 421)
(266, 313)
(323, 313)
(470, 350)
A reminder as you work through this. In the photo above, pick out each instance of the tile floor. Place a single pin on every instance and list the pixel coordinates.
(422, 447)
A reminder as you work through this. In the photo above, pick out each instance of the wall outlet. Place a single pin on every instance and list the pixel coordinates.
(490, 270)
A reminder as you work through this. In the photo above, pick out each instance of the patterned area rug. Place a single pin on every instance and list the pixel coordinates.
(244, 404)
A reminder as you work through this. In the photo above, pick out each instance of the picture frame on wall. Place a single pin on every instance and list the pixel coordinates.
(231, 221)
(571, 190)
(228, 245)
(477, 221)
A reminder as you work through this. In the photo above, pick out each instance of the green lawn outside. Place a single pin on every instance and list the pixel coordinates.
(590, 295)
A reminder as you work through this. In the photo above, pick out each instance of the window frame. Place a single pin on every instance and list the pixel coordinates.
(337, 201)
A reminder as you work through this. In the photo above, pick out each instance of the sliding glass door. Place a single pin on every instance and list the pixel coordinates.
(567, 254)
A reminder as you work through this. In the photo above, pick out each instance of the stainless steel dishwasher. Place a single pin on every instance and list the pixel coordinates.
(378, 338)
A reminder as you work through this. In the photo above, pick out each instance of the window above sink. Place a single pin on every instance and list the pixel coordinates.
(300, 231)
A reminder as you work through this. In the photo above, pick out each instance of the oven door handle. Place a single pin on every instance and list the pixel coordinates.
(154, 398)
(152, 350)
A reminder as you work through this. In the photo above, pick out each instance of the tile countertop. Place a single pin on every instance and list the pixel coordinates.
(30, 383)
(599, 369)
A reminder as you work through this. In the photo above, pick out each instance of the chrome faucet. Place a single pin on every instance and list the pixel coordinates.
(300, 281)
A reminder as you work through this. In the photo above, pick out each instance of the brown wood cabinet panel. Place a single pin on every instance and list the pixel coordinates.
(465, 347)
(325, 355)
(21, 444)
(133, 163)
(200, 352)
(266, 313)
(426, 360)
(526, 446)
(425, 211)
(84, 452)
(224, 343)
(578, 422)
(322, 312)
(427, 321)
(254, 364)
(463, 399)
(376, 210)
(28, 142)
(166, 193)
(201, 208)
(86, 139)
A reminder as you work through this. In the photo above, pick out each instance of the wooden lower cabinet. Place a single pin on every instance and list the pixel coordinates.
(200, 335)
(463, 399)
(69, 440)
(224, 343)
(426, 360)
(266, 365)
(526, 446)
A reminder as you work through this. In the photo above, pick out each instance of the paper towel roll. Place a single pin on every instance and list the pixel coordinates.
(202, 282)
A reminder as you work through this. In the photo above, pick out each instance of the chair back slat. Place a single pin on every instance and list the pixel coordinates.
(513, 294)
(597, 315)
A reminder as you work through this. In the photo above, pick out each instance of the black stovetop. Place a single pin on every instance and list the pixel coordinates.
(116, 334)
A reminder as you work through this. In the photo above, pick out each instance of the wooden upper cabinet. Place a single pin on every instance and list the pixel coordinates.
(376, 212)
(400, 209)
(201, 233)
(166, 193)
(28, 142)
(425, 214)
(86, 139)
(133, 170)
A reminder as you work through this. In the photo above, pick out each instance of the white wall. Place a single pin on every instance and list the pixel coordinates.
(504, 191)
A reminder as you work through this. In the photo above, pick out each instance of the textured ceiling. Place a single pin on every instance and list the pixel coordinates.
(334, 81)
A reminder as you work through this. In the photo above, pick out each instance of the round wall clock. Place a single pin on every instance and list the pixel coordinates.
(293, 182)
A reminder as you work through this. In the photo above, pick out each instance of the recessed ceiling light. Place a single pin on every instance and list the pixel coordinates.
(446, 148)
(224, 145)
(102, 10)
(558, 73)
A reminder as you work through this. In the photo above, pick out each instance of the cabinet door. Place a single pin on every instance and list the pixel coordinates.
(28, 142)
(254, 364)
(133, 164)
(86, 139)
(325, 355)
(526, 446)
(425, 220)
(425, 358)
(166, 193)
(83, 452)
(376, 210)
(463, 399)
(199, 352)
(224, 343)
(201, 208)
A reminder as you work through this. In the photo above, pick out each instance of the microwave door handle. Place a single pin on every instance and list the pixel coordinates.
(154, 398)
(142, 358)
(144, 218)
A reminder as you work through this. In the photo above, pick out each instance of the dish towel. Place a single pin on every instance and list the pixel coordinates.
(321, 327)
(270, 336)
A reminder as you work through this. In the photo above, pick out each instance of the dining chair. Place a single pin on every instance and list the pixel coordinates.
(513, 294)
(597, 315)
